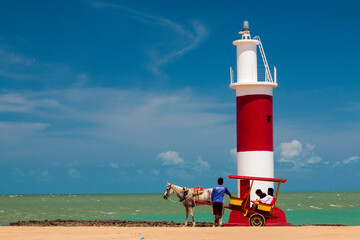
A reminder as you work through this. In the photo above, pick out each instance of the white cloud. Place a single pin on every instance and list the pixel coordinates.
(44, 174)
(351, 107)
(156, 172)
(201, 165)
(139, 171)
(353, 159)
(20, 67)
(21, 103)
(14, 103)
(183, 40)
(93, 121)
(183, 174)
(18, 173)
(34, 174)
(114, 165)
(290, 150)
(15, 133)
(296, 154)
(73, 173)
(349, 160)
(170, 158)
(23, 126)
(132, 115)
(14, 58)
(233, 153)
(191, 39)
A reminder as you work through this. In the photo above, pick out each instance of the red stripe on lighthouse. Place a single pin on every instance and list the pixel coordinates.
(254, 123)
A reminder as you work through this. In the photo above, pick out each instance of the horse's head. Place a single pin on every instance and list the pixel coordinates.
(168, 191)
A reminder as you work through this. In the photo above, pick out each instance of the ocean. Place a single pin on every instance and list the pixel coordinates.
(300, 207)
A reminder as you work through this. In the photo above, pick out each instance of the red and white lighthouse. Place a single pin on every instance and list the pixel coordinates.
(254, 113)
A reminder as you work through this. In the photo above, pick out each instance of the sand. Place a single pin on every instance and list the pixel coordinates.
(181, 233)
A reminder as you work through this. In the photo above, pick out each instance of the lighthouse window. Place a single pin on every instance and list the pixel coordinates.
(269, 119)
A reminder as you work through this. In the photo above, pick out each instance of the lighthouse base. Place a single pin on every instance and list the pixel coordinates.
(237, 219)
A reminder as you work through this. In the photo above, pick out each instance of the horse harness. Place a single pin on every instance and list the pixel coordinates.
(188, 195)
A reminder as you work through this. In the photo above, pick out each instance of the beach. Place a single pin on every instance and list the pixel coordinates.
(180, 233)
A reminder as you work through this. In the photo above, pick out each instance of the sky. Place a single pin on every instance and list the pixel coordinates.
(125, 96)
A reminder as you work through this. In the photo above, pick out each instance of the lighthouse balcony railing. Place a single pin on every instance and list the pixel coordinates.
(262, 75)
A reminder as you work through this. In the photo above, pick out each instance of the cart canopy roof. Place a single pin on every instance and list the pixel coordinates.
(258, 178)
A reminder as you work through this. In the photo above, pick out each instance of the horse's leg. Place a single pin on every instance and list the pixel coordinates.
(192, 216)
(186, 215)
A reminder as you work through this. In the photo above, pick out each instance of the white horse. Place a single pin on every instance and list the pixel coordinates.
(187, 197)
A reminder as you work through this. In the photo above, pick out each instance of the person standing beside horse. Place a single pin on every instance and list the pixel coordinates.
(217, 197)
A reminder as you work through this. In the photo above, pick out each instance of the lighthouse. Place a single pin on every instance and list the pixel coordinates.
(254, 113)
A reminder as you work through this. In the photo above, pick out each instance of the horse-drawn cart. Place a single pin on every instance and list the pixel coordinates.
(265, 214)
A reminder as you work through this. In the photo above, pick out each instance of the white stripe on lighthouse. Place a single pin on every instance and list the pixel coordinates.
(259, 164)
(254, 89)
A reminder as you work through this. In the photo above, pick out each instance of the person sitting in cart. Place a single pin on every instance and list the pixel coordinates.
(271, 192)
(267, 199)
(217, 197)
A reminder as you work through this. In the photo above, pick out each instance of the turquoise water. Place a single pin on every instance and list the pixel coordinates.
(300, 208)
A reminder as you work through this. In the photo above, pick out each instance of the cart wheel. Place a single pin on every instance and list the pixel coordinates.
(257, 220)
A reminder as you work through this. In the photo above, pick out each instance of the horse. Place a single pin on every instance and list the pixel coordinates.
(188, 197)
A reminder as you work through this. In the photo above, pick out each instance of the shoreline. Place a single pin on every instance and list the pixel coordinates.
(124, 223)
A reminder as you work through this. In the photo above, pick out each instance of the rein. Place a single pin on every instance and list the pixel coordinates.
(172, 200)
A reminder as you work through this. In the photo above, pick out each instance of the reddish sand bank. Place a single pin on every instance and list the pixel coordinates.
(106, 223)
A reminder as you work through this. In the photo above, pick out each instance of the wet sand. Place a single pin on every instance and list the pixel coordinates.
(178, 233)
(106, 223)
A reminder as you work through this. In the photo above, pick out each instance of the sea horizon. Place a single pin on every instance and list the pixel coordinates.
(322, 191)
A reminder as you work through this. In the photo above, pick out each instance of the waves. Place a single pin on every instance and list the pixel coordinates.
(300, 207)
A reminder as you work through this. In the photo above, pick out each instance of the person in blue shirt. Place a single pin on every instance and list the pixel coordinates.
(217, 197)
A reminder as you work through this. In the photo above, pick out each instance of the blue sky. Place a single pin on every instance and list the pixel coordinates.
(123, 96)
